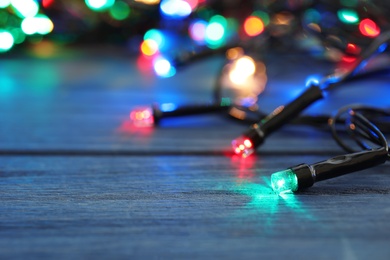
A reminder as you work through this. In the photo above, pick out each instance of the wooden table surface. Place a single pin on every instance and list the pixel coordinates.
(79, 181)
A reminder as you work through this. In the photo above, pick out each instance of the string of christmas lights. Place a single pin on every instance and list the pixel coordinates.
(323, 28)
(362, 131)
(246, 144)
(170, 34)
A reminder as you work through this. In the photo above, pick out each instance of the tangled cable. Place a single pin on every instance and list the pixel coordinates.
(360, 124)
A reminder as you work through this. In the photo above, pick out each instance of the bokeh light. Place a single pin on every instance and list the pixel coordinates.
(6, 41)
(120, 10)
(18, 34)
(4, 3)
(253, 26)
(25, 8)
(197, 31)
(149, 47)
(168, 107)
(157, 36)
(193, 4)
(40, 24)
(369, 28)
(348, 16)
(263, 16)
(311, 16)
(215, 31)
(242, 69)
(99, 5)
(353, 49)
(175, 8)
(164, 68)
(47, 3)
(148, 2)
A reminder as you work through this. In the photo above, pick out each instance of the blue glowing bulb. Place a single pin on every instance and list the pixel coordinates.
(175, 8)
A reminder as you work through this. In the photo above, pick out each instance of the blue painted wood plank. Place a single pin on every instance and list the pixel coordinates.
(186, 206)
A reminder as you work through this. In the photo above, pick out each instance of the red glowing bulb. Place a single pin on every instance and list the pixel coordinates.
(369, 28)
(47, 3)
(142, 117)
(242, 146)
(353, 49)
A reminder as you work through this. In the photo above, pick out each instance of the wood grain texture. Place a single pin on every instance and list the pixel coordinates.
(186, 206)
(78, 181)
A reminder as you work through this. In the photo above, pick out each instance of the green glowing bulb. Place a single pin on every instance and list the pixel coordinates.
(155, 35)
(263, 16)
(216, 31)
(120, 11)
(348, 16)
(18, 35)
(99, 5)
(284, 181)
(6, 41)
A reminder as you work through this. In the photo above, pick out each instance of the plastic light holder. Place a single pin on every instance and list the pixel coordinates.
(279, 117)
(149, 116)
(303, 175)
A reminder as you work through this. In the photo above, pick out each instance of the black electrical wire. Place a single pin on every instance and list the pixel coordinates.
(258, 132)
(335, 79)
(358, 120)
(373, 150)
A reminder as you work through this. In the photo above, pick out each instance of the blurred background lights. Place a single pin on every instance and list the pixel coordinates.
(40, 24)
(99, 5)
(369, 28)
(215, 31)
(234, 53)
(18, 35)
(253, 26)
(311, 16)
(163, 68)
(47, 3)
(4, 3)
(197, 31)
(148, 2)
(348, 16)
(193, 4)
(25, 8)
(157, 36)
(175, 8)
(120, 11)
(167, 107)
(242, 69)
(352, 49)
(149, 47)
(6, 41)
(263, 16)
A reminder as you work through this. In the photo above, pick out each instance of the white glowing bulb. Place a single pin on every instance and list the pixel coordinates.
(163, 68)
(246, 65)
(242, 69)
(25, 8)
(6, 40)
